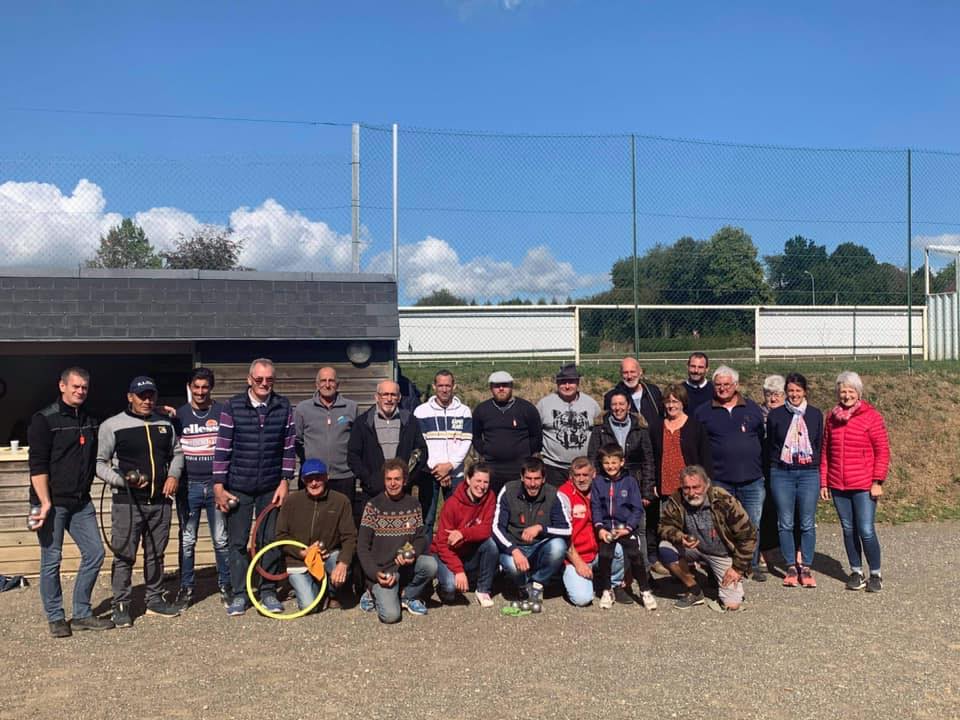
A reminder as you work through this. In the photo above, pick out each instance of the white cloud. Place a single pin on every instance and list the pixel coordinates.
(39, 225)
(165, 225)
(432, 264)
(923, 241)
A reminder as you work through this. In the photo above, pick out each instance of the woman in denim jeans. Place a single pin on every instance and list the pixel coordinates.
(794, 438)
(853, 466)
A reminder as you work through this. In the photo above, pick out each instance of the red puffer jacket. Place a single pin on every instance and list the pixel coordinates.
(855, 453)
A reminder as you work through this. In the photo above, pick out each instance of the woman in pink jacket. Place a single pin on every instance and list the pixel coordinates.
(854, 459)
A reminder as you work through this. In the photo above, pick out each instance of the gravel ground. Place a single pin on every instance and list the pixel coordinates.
(793, 653)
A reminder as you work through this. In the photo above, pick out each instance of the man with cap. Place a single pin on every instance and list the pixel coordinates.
(253, 465)
(568, 416)
(506, 431)
(139, 456)
(319, 518)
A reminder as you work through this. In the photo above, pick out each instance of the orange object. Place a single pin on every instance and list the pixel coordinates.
(314, 562)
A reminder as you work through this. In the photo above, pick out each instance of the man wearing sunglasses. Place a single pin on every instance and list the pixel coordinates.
(252, 464)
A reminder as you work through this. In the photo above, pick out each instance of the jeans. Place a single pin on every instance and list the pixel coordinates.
(239, 521)
(857, 512)
(429, 491)
(306, 587)
(414, 580)
(81, 523)
(750, 494)
(795, 492)
(545, 556)
(581, 590)
(480, 567)
(132, 522)
(199, 496)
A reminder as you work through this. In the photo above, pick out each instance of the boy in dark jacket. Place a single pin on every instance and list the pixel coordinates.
(618, 514)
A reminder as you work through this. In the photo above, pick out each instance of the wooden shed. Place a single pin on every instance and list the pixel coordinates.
(121, 323)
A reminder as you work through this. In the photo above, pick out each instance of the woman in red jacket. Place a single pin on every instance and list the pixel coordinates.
(855, 456)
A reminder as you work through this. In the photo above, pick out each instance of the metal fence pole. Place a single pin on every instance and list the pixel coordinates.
(396, 214)
(909, 263)
(636, 270)
(355, 197)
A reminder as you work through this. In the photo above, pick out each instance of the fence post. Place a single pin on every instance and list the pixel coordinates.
(396, 214)
(909, 261)
(636, 270)
(355, 197)
(576, 334)
(756, 335)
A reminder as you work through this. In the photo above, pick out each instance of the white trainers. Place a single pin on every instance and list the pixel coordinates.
(649, 601)
(606, 600)
(484, 599)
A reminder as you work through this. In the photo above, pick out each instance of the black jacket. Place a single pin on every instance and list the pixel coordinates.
(365, 457)
(651, 408)
(638, 452)
(63, 446)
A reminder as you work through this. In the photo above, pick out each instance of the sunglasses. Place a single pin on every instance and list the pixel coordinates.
(315, 479)
(262, 380)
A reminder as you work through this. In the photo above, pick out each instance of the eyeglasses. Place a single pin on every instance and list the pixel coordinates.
(388, 395)
(312, 479)
(724, 385)
(262, 380)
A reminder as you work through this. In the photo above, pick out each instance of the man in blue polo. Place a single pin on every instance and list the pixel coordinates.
(252, 465)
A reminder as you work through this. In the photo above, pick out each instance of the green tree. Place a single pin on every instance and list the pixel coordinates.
(734, 275)
(125, 246)
(208, 248)
(440, 298)
(787, 273)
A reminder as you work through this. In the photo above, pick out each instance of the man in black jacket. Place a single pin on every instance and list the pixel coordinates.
(382, 433)
(63, 450)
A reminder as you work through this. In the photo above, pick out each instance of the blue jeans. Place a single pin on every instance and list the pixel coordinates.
(545, 556)
(751, 495)
(581, 590)
(81, 523)
(480, 567)
(306, 587)
(239, 522)
(199, 496)
(857, 512)
(414, 580)
(429, 492)
(795, 492)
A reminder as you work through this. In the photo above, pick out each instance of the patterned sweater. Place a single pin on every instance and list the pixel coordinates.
(384, 528)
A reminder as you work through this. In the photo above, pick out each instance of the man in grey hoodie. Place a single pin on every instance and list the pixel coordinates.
(567, 416)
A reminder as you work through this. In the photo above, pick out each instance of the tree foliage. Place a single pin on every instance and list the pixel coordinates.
(440, 298)
(125, 246)
(208, 248)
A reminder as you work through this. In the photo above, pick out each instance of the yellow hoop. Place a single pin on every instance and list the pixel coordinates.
(256, 603)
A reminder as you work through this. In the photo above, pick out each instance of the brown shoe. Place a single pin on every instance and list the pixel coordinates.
(659, 568)
(334, 604)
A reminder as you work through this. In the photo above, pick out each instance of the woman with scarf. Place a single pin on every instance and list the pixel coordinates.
(854, 462)
(794, 438)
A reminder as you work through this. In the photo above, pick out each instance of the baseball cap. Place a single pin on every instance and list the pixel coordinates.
(142, 383)
(313, 467)
(500, 376)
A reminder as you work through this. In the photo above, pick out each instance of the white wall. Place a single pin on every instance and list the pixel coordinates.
(837, 331)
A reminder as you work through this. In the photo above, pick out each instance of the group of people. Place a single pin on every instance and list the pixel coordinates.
(594, 495)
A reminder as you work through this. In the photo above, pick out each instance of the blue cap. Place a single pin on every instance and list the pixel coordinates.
(142, 383)
(313, 467)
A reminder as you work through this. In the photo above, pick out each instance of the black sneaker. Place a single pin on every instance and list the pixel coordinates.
(121, 615)
(226, 595)
(91, 623)
(689, 599)
(621, 595)
(60, 629)
(163, 609)
(758, 575)
(856, 581)
(874, 584)
(184, 598)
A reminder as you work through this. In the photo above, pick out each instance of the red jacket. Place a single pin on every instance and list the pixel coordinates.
(583, 537)
(473, 519)
(855, 453)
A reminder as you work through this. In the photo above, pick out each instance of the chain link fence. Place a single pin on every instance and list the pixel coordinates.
(486, 219)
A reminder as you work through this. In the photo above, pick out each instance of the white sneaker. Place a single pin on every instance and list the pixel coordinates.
(606, 600)
(484, 599)
(649, 601)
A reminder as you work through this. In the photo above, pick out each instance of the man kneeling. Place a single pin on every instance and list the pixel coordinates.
(391, 546)
(320, 518)
(463, 543)
(703, 523)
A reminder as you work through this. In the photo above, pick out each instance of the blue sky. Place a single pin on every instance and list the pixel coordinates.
(495, 215)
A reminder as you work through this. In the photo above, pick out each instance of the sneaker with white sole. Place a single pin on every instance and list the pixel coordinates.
(648, 600)
(484, 599)
(414, 606)
(237, 606)
(366, 602)
(606, 600)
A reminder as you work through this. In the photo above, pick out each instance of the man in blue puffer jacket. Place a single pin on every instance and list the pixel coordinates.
(252, 464)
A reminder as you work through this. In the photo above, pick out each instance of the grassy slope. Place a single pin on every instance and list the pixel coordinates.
(920, 410)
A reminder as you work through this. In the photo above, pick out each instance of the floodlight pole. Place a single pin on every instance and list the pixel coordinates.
(909, 262)
(636, 271)
(355, 197)
(396, 214)
(813, 288)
